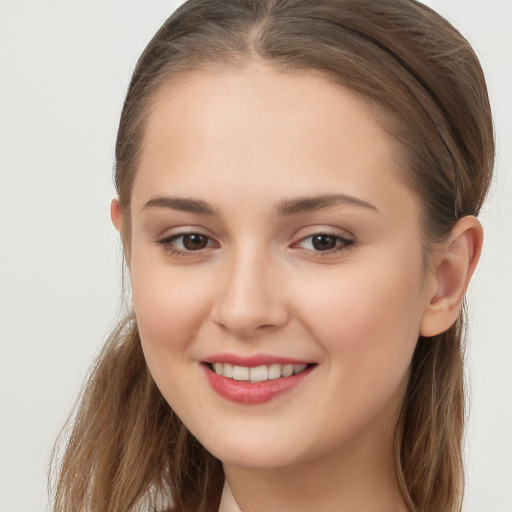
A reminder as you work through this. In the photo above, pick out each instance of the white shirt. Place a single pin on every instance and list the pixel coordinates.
(227, 500)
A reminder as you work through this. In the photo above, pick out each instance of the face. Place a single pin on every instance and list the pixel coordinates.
(276, 265)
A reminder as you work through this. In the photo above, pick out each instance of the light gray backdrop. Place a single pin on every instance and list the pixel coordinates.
(64, 68)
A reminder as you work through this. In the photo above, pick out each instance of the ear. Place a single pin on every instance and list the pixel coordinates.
(452, 265)
(116, 214)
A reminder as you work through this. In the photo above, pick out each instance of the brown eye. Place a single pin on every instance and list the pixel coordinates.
(324, 242)
(186, 243)
(194, 241)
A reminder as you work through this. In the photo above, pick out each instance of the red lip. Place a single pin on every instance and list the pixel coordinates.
(253, 361)
(252, 392)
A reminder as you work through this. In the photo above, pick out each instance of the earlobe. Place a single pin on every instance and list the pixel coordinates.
(454, 265)
(116, 214)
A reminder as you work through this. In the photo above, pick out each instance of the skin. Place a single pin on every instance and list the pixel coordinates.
(244, 141)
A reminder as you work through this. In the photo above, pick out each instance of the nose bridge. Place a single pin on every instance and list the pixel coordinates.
(249, 299)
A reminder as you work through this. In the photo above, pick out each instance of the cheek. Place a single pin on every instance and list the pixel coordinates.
(169, 305)
(367, 319)
(367, 326)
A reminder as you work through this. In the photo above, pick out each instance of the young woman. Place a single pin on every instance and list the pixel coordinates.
(298, 184)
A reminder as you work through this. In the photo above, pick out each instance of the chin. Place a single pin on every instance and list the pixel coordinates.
(255, 457)
(254, 450)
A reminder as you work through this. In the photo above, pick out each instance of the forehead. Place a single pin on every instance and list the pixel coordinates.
(218, 99)
(265, 129)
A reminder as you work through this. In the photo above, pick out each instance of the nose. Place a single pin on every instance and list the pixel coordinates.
(250, 299)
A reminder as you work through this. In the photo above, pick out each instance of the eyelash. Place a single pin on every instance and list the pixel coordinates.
(167, 244)
(342, 244)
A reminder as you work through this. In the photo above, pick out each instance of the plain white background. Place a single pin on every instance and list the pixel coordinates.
(65, 66)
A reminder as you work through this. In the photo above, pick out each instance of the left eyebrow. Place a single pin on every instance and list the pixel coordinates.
(308, 204)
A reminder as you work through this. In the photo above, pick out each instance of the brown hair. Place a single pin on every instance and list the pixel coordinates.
(424, 83)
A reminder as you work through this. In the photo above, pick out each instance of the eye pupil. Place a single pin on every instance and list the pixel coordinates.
(324, 242)
(194, 242)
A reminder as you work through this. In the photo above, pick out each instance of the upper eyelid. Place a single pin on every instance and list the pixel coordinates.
(348, 237)
(175, 236)
(334, 232)
(327, 232)
(345, 239)
(181, 231)
(168, 245)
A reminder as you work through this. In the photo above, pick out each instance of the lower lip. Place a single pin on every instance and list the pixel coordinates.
(244, 392)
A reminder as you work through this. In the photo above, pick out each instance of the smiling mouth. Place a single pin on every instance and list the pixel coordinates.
(258, 373)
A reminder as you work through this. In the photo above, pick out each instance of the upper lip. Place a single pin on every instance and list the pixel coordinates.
(254, 360)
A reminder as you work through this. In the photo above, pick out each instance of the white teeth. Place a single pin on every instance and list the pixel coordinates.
(297, 368)
(274, 371)
(258, 373)
(287, 370)
(227, 371)
(240, 373)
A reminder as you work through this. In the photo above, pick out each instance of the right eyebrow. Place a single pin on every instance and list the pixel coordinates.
(180, 204)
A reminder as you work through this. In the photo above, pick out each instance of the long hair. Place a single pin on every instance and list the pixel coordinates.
(424, 84)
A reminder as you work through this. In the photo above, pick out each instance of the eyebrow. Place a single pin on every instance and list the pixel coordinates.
(180, 204)
(308, 204)
(283, 208)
